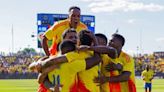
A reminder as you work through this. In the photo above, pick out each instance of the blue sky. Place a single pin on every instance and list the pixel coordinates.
(141, 22)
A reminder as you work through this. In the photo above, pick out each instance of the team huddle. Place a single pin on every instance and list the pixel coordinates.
(81, 61)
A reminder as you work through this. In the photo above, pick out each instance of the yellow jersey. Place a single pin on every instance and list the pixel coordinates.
(55, 32)
(66, 75)
(147, 75)
(86, 77)
(128, 65)
(109, 87)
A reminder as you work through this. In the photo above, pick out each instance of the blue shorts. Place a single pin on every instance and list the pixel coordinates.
(147, 85)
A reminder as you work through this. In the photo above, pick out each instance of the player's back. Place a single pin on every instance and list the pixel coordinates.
(66, 75)
(86, 77)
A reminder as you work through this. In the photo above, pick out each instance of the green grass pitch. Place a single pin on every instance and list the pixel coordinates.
(31, 85)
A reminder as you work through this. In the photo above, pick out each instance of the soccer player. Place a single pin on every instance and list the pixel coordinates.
(55, 32)
(101, 39)
(87, 40)
(106, 59)
(66, 73)
(85, 82)
(105, 51)
(70, 34)
(147, 76)
(126, 76)
(67, 34)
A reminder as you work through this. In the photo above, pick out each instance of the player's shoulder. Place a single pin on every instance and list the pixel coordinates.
(144, 71)
(72, 53)
(126, 56)
(61, 23)
(104, 55)
(82, 25)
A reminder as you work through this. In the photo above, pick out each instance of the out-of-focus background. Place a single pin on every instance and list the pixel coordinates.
(139, 21)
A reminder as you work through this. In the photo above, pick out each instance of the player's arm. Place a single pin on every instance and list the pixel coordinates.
(45, 45)
(92, 61)
(96, 59)
(101, 49)
(143, 75)
(124, 76)
(127, 70)
(41, 77)
(120, 78)
(112, 66)
(45, 71)
(78, 65)
(49, 34)
(152, 76)
(112, 52)
(53, 61)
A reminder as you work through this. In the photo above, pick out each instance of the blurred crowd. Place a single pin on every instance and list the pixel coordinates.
(155, 61)
(16, 66)
(13, 65)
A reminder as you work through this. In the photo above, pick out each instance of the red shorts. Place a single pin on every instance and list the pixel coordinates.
(42, 88)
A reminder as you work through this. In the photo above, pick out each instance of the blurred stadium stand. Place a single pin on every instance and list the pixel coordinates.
(15, 66)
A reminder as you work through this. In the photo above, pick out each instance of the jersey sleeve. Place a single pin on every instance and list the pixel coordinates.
(142, 74)
(129, 64)
(52, 31)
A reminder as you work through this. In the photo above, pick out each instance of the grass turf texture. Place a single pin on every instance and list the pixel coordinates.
(31, 85)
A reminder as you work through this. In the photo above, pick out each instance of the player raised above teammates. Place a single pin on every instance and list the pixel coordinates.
(55, 32)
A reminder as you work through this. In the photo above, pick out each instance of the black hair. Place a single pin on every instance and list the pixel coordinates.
(84, 38)
(120, 37)
(68, 45)
(74, 7)
(67, 31)
(101, 36)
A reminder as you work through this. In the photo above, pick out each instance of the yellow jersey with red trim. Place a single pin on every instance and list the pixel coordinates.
(147, 75)
(128, 65)
(55, 32)
(66, 75)
(86, 77)
(109, 87)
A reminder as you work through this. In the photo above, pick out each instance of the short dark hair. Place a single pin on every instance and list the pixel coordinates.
(67, 31)
(67, 44)
(74, 7)
(101, 36)
(84, 38)
(120, 37)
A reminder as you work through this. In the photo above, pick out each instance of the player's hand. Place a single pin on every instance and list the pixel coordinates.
(36, 65)
(111, 66)
(42, 59)
(101, 79)
(56, 88)
(119, 67)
